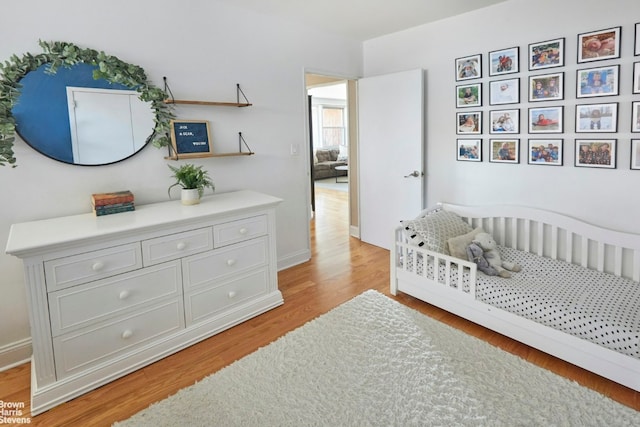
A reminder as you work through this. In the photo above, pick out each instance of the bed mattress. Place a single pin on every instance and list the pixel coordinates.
(599, 307)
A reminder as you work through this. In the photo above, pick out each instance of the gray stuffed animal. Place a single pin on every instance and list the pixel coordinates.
(476, 254)
(490, 248)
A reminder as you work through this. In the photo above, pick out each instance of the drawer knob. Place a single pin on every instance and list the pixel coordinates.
(124, 294)
(97, 266)
(181, 246)
(127, 334)
(231, 262)
(243, 230)
(231, 294)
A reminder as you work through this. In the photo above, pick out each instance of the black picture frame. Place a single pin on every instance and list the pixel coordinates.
(599, 45)
(635, 155)
(506, 91)
(547, 152)
(546, 54)
(636, 44)
(504, 61)
(598, 81)
(635, 84)
(502, 122)
(468, 67)
(635, 116)
(469, 123)
(589, 153)
(468, 96)
(504, 150)
(546, 87)
(597, 118)
(469, 150)
(546, 119)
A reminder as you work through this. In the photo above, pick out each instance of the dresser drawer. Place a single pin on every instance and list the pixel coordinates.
(80, 350)
(62, 273)
(174, 246)
(240, 230)
(80, 306)
(208, 302)
(203, 269)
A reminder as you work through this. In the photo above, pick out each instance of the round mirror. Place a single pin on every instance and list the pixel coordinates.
(79, 106)
(71, 117)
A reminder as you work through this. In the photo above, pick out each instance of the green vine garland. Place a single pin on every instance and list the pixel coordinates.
(62, 54)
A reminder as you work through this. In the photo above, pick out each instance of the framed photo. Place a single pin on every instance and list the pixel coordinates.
(470, 150)
(469, 123)
(504, 61)
(596, 153)
(599, 45)
(546, 54)
(469, 95)
(546, 87)
(635, 116)
(504, 150)
(545, 152)
(504, 121)
(636, 50)
(504, 92)
(469, 67)
(597, 117)
(546, 120)
(190, 138)
(635, 154)
(602, 81)
(636, 77)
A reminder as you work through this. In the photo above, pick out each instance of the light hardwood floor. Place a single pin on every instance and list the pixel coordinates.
(341, 268)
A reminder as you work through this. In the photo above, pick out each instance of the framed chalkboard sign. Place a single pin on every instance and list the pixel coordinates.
(191, 138)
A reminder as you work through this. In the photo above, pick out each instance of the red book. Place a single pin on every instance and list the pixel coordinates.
(117, 197)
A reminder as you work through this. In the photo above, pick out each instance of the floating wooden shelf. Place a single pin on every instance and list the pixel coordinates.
(220, 104)
(241, 140)
(209, 155)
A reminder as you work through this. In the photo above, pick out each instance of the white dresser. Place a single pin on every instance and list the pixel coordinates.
(108, 295)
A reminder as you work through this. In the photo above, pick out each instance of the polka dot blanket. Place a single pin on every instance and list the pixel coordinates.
(599, 307)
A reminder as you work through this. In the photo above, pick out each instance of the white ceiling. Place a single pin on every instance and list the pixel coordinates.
(364, 19)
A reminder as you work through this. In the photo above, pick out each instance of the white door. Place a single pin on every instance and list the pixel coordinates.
(391, 153)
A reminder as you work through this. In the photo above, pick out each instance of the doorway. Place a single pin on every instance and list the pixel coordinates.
(332, 142)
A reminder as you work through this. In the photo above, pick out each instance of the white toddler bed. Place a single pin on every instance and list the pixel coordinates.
(577, 296)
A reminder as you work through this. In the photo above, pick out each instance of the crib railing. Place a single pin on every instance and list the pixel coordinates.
(558, 236)
(409, 258)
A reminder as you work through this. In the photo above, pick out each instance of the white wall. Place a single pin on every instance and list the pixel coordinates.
(204, 47)
(602, 196)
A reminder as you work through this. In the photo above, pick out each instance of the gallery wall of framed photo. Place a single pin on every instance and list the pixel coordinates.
(516, 98)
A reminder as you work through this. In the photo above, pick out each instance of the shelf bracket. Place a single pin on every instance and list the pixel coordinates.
(241, 141)
(167, 89)
(240, 92)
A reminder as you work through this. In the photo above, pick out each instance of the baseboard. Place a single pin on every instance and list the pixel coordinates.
(294, 259)
(354, 231)
(15, 353)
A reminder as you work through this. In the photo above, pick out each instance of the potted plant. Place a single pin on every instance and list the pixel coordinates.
(193, 181)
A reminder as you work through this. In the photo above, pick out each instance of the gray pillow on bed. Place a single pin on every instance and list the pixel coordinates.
(434, 230)
(458, 245)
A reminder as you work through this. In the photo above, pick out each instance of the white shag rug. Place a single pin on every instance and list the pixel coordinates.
(375, 362)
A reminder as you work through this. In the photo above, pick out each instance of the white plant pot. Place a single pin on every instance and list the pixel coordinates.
(190, 196)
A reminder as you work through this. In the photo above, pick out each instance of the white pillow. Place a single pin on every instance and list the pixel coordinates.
(432, 231)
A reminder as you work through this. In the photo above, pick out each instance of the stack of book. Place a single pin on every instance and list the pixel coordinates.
(111, 203)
